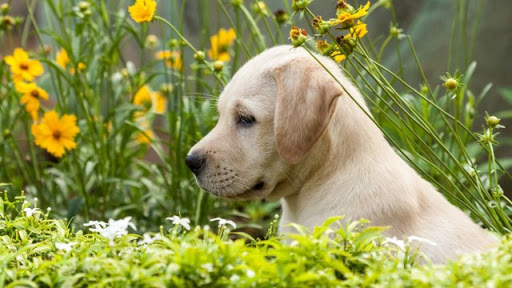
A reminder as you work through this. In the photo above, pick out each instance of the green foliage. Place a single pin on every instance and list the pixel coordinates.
(36, 251)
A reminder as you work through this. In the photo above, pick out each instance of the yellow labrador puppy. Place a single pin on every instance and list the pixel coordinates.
(287, 130)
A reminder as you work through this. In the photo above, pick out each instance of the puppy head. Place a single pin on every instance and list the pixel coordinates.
(274, 110)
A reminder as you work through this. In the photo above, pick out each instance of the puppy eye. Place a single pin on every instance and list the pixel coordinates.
(246, 120)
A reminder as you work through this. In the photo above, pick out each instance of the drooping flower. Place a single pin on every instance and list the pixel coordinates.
(32, 94)
(172, 58)
(177, 220)
(143, 10)
(220, 44)
(22, 67)
(338, 56)
(349, 41)
(54, 134)
(347, 14)
(62, 59)
(358, 30)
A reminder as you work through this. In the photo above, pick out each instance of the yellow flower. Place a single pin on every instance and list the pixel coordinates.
(62, 58)
(22, 67)
(56, 135)
(63, 61)
(146, 137)
(358, 31)
(220, 44)
(32, 94)
(347, 16)
(149, 101)
(172, 58)
(160, 102)
(337, 56)
(142, 10)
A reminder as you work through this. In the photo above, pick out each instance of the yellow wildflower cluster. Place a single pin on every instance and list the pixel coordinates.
(347, 18)
(54, 134)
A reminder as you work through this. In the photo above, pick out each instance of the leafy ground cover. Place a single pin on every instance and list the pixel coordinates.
(37, 251)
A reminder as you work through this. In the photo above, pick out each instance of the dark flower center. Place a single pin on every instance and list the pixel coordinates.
(24, 66)
(56, 135)
(35, 94)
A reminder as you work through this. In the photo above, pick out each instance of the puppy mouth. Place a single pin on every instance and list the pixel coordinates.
(258, 187)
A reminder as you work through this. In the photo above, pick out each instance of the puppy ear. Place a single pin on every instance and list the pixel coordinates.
(306, 101)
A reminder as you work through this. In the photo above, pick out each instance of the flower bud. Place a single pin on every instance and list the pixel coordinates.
(261, 8)
(7, 133)
(173, 43)
(298, 36)
(343, 7)
(321, 26)
(152, 41)
(237, 3)
(4, 8)
(450, 84)
(83, 5)
(324, 47)
(300, 4)
(493, 121)
(218, 66)
(281, 16)
(395, 32)
(199, 56)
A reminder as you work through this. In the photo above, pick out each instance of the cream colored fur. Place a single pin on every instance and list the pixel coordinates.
(318, 152)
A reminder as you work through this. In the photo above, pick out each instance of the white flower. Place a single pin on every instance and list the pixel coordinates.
(234, 278)
(31, 211)
(148, 239)
(116, 77)
(422, 240)
(98, 225)
(176, 220)
(223, 222)
(112, 229)
(398, 243)
(208, 267)
(250, 273)
(64, 246)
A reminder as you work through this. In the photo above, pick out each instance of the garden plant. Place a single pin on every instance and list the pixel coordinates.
(101, 100)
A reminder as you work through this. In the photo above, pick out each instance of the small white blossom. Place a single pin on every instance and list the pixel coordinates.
(398, 243)
(208, 267)
(223, 222)
(112, 229)
(148, 239)
(31, 211)
(234, 278)
(64, 246)
(250, 273)
(176, 220)
(422, 240)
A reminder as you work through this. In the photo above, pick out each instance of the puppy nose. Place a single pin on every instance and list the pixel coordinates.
(195, 163)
